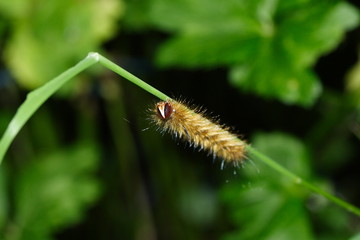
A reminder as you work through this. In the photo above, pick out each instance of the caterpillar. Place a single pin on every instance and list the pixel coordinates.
(191, 125)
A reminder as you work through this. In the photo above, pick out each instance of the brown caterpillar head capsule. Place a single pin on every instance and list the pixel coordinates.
(164, 110)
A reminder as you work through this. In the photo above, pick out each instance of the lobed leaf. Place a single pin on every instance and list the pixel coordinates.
(273, 43)
(269, 206)
(50, 36)
(54, 191)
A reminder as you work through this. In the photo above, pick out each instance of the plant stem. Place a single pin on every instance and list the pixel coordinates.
(130, 77)
(37, 97)
(274, 165)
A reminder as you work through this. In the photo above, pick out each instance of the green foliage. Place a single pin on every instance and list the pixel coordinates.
(270, 46)
(356, 237)
(270, 206)
(3, 198)
(36, 98)
(53, 191)
(50, 36)
(353, 84)
(290, 152)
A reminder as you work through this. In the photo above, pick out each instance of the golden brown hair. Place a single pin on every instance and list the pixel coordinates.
(192, 126)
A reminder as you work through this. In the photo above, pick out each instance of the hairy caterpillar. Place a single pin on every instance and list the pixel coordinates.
(191, 125)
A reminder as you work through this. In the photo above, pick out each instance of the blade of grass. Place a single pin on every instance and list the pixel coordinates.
(128, 76)
(37, 97)
(277, 167)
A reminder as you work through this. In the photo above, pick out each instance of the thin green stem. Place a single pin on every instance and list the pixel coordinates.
(274, 165)
(37, 97)
(130, 77)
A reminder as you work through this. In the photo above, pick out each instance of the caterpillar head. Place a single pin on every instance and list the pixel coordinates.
(164, 110)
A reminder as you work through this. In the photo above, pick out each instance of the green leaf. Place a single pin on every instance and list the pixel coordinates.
(3, 199)
(14, 8)
(288, 151)
(353, 83)
(267, 205)
(270, 46)
(223, 49)
(49, 36)
(261, 213)
(356, 237)
(53, 191)
(302, 87)
(271, 207)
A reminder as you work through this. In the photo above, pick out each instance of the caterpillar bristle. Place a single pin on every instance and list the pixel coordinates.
(192, 125)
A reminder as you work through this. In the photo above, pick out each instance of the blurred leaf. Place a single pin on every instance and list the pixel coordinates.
(353, 83)
(201, 203)
(54, 191)
(269, 45)
(332, 222)
(300, 87)
(356, 237)
(262, 214)
(286, 150)
(15, 8)
(136, 16)
(50, 36)
(271, 206)
(3, 199)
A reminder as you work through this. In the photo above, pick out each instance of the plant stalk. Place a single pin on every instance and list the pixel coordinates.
(277, 167)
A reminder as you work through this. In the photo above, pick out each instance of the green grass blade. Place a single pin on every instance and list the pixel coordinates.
(130, 77)
(283, 171)
(36, 98)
